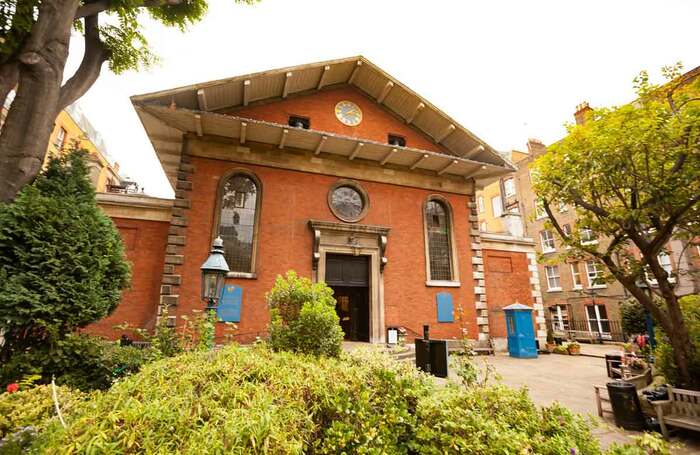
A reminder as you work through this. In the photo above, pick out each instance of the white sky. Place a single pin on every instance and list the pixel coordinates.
(506, 70)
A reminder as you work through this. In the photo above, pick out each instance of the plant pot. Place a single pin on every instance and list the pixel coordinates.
(574, 350)
(549, 347)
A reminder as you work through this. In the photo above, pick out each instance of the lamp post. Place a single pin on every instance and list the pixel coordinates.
(214, 272)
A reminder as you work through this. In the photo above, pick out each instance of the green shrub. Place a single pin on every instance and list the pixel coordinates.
(303, 317)
(26, 412)
(633, 317)
(254, 400)
(665, 361)
(246, 400)
(79, 361)
(62, 263)
(75, 360)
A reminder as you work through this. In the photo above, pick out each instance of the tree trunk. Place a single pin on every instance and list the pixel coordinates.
(24, 136)
(9, 72)
(671, 321)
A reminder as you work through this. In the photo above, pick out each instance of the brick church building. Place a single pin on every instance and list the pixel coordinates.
(335, 170)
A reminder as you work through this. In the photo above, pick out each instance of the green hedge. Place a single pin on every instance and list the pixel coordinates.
(253, 400)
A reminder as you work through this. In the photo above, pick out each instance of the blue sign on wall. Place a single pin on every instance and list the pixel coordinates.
(445, 309)
(229, 309)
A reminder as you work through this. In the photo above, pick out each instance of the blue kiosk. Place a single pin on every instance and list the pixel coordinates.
(521, 331)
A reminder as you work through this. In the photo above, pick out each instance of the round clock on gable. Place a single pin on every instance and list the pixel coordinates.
(348, 113)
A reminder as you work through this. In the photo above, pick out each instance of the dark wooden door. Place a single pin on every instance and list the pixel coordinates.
(346, 270)
(349, 278)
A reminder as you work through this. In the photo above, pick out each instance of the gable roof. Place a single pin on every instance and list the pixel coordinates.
(199, 109)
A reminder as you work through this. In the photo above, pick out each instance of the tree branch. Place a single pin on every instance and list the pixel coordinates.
(666, 231)
(88, 72)
(98, 6)
(586, 205)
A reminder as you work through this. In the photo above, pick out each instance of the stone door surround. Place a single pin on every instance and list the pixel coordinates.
(358, 240)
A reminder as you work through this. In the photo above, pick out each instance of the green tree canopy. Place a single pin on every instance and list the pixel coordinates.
(633, 175)
(62, 263)
(35, 38)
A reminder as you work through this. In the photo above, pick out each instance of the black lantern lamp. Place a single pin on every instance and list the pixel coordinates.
(214, 272)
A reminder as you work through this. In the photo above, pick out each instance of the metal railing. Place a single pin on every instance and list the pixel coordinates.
(592, 331)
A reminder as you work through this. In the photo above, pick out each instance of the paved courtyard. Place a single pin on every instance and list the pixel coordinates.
(568, 380)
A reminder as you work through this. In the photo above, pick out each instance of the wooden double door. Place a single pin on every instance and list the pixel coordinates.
(348, 276)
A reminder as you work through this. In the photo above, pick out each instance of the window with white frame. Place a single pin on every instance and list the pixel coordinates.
(598, 320)
(560, 317)
(60, 139)
(547, 239)
(480, 204)
(576, 276)
(509, 187)
(539, 209)
(497, 206)
(594, 271)
(665, 263)
(587, 235)
(553, 277)
(567, 231)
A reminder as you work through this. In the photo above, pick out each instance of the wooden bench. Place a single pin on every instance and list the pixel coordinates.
(682, 409)
(601, 391)
(601, 396)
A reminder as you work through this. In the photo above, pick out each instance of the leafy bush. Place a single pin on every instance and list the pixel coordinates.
(24, 413)
(62, 263)
(75, 361)
(253, 400)
(665, 361)
(646, 444)
(480, 420)
(241, 400)
(303, 317)
(79, 361)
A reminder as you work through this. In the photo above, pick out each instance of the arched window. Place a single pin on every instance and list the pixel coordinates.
(439, 244)
(239, 204)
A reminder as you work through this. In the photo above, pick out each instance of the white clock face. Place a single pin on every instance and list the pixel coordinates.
(348, 113)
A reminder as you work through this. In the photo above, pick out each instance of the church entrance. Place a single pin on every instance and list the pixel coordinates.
(348, 276)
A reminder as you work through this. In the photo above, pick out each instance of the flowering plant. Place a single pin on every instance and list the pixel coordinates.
(12, 388)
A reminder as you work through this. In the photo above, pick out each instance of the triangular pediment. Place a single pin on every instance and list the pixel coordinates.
(255, 108)
(319, 107)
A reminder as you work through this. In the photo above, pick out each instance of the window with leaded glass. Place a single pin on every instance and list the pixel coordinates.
(237, 220)
(437, 222)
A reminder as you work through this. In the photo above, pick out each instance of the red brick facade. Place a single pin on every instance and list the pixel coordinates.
(289, 200)
(507, 282)
(144, 242)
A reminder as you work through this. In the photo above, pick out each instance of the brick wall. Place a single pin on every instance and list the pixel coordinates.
(507, 281)
(144, 242)
(289, 200)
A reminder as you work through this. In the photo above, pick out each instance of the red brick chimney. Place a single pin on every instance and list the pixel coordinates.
(535, 147)
(583, 111)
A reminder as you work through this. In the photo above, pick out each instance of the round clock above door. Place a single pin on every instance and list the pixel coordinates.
(348, 113)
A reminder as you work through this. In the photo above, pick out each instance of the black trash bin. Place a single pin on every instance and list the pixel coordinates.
(625, 406)
(613, 361)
